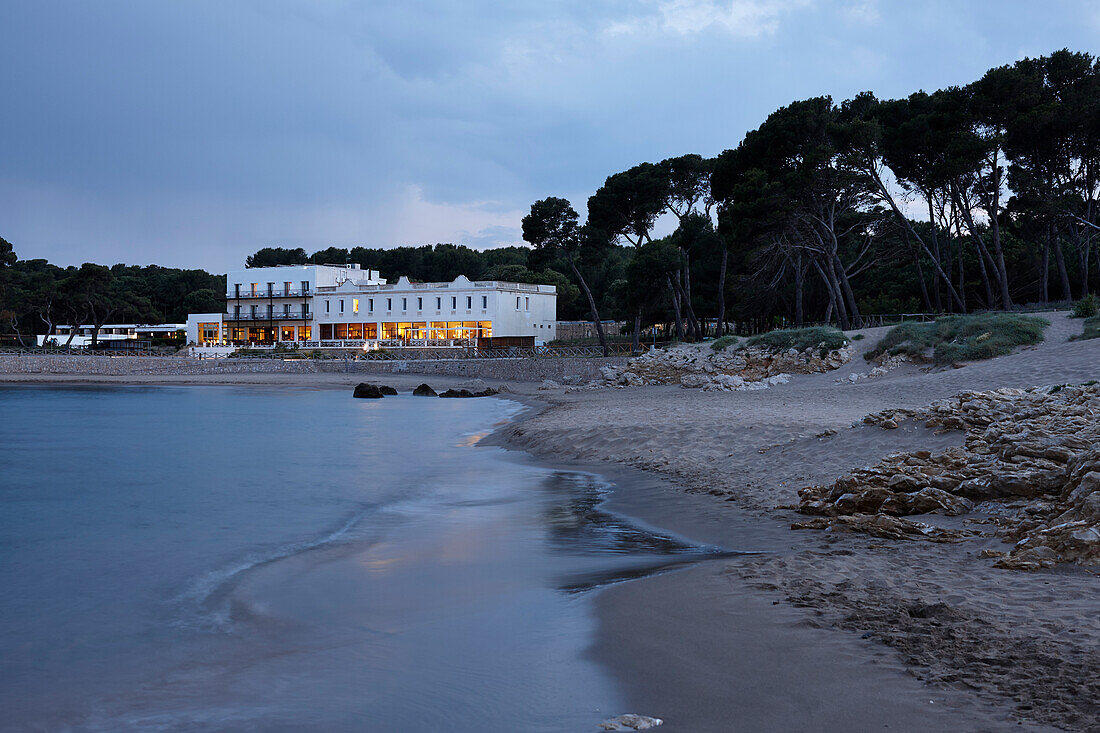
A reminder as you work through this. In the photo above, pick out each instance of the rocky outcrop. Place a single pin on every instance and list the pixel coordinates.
(1031, 460)
(698, 366)
(365, 390)
(424, 390)
(630, 721)
(488, 392)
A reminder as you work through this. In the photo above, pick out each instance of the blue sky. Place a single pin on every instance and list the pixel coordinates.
(193, 133)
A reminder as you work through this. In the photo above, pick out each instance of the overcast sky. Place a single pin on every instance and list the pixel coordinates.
(193, 133)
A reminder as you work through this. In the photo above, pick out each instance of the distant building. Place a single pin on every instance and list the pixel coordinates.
(323, 306)
(110, 332)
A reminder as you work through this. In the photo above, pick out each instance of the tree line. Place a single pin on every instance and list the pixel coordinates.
(975, 197)
(36, 296)
(983, 196)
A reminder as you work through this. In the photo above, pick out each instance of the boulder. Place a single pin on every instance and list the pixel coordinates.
(367, 391)
(549, 384)
(387, 390)
(693, 381)
(467, 393)
(631, 721)
(423, 390)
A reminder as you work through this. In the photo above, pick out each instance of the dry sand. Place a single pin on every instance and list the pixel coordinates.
(706, 650)
(818, 632)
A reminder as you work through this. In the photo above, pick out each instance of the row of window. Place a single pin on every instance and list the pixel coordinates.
(254, 289)
(273, 312)
(440, 330)
(419, 304)
(263, 335)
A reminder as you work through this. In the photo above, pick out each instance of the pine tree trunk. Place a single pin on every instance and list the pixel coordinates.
(591, 305)
(1060, 260)
(722, 293)
(637, 330)
(676, 310)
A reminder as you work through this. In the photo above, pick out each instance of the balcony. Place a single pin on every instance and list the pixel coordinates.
(264, 317)
(277, 293)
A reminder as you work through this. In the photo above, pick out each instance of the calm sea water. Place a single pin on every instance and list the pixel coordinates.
(180, 558)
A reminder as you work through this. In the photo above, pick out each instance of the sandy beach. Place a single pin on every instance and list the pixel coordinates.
(815, 630)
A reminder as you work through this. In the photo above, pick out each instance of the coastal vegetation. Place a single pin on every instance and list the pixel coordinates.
(823, 338)
(1087, 307)
(1092, 330)
(970, 198)
(954, 339)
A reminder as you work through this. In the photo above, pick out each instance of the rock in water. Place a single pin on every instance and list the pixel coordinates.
(424, 390)
(369, 391)
(467, 393)
(386, 390)
(631, 721)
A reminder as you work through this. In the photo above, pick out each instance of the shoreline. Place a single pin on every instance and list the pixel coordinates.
(820, 631)
(767, 666)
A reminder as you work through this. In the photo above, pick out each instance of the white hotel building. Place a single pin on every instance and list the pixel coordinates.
(327, 306)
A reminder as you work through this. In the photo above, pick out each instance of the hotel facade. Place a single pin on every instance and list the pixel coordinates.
(326, 306)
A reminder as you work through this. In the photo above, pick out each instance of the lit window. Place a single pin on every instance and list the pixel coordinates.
(354, 305)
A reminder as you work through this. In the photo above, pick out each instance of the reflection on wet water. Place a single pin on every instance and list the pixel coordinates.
(578, 526)
(373, 572)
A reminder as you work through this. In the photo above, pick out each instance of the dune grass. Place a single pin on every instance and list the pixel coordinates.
(824, 338)
(1086, 307)
(723, 342)
(954, 339)
(1092, 330)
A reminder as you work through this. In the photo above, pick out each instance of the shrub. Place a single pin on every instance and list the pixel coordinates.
(825, 338)
(962, 338)
(859, 337)
(1086, 307)
(724, 342)
(1092, 330)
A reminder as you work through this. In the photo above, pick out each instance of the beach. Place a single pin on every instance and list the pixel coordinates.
(815, 630)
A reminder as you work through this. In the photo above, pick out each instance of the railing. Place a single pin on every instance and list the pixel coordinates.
(406, 353)
(269, 294)
(275, 316)
(78, 351)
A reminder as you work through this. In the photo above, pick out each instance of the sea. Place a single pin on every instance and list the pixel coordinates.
(281, 559)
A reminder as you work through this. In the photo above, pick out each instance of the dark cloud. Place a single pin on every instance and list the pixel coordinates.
(194, 133)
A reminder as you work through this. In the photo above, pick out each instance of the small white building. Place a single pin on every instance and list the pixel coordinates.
(110, 332)
(326, 306)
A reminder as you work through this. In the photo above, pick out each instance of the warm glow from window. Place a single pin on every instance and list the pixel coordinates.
(354, 305)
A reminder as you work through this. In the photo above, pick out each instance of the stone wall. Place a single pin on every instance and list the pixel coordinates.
(521, 370)
(533, 370)
(135, 365)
